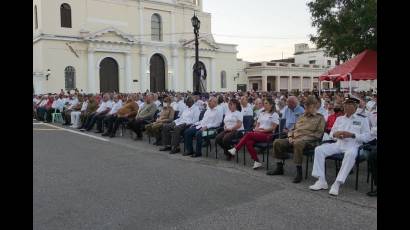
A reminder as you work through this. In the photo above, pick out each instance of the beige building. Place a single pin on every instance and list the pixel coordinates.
(127, 46)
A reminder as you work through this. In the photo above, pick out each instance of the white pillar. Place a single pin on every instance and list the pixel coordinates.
(290, 83)
(301, 83)
(128, 80)
(277, 83)
(143, 72)
(213, 75)
(173, 36)
(91, 73)
(141, 14)
(175, 74)
(188, 74)
(311, 83)
(264, 83)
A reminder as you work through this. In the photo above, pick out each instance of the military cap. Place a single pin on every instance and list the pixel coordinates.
(351, 99)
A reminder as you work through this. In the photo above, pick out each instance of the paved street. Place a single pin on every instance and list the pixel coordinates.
(81, 182)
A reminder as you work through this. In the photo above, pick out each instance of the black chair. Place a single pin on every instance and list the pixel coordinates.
(247, 125)
(338, 158)
(278, 133)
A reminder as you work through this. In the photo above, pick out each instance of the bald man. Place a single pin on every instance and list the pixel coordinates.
(292, 112)
(212, 119)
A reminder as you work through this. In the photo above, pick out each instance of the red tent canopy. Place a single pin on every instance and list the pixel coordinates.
(362, 67)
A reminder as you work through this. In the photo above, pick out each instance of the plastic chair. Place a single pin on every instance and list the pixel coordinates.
(56, 117)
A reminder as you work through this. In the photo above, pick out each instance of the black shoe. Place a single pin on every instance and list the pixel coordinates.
(99, 131)
(175, 150)
(277, 171)
(187, 154)
(299, 176)
(374, 193)
(166, 148)
(105, 134)
(196, 155)
(112, 135)
(137, 138)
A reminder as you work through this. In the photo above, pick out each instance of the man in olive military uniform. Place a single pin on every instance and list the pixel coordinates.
(307, 132)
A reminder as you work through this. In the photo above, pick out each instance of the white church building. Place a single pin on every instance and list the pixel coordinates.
(127, 46)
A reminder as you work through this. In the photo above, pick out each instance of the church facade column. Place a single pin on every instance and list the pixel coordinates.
(91, 72)
(143, 71)
(175, 73)
(188, 73)
(264, 83)
(289, 83)
(213, 75)
(127, 79)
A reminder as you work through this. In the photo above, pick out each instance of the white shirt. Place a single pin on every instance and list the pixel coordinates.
(140, 104)
(373, 124)
(370, 105)
(324, 112)
(354, 124)
(212, 119)
(104, 105)
(225, 107)
(60, 104)
(84, 106)
(189, 116)
(258, 111)
(266, 120)
(116, 106)
(199, 104)
(248, 110)
(43, 103)
(220, 109)
(179, 106)
(365, 113)
(232, 118)
(157, 103)
(73, 102)
(282, 111)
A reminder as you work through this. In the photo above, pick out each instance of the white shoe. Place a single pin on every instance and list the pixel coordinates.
(232, 151)
(318, 186)
(334, 190)
(257, 165)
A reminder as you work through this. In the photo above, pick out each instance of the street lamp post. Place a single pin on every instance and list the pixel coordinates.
(196, 24)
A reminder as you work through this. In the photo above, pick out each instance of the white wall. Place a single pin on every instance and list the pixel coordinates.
(318, 56)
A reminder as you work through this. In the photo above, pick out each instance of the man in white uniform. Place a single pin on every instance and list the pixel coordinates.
(350, 131)
(212, 119)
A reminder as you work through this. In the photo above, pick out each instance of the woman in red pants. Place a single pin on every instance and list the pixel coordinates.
(267, 121)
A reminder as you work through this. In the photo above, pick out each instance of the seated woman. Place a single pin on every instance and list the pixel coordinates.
(233, 124)
(166, 116)
(266, 124)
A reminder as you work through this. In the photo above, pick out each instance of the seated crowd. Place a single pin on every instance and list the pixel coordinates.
(235, 120)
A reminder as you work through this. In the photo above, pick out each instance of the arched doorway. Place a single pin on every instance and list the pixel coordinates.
(203, 74)
(109, 75)
(157, 73)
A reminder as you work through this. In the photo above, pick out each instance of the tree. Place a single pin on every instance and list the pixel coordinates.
(344, 27)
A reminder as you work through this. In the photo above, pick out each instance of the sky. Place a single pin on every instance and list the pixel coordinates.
(262, 29)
